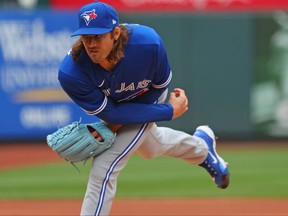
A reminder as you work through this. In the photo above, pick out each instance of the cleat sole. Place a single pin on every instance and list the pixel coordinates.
(225, 179)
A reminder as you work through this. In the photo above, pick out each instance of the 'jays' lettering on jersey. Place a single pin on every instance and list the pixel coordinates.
(126, 94)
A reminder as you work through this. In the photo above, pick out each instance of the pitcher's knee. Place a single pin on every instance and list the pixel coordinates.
(146, 155)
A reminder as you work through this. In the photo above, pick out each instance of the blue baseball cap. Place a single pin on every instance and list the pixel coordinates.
(96, 18)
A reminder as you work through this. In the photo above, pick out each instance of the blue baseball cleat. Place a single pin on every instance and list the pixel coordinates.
(214, 164)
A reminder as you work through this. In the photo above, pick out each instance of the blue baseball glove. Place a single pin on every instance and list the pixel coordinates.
(75, 141)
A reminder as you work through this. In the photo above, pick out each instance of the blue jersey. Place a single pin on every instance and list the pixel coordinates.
(128, 93)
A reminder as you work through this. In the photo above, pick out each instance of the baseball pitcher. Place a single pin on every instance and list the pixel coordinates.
(121, 73)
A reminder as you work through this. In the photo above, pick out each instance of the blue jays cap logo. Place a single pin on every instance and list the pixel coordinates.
(96, 18)
(88, 16)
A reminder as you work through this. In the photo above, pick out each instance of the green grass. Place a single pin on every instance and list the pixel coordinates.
(46, 181)
(262, 173)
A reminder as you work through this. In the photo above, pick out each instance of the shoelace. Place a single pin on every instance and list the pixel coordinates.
(209, 168)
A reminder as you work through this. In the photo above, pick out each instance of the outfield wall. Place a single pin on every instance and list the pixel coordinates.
(232, 66)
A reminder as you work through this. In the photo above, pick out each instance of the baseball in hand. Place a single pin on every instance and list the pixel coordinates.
(177, 92)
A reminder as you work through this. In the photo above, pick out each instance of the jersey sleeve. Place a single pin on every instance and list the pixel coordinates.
(161, 79)
(135, 113)
(89, 98)
(163, 73)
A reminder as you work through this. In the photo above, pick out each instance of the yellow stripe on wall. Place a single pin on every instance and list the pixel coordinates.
(42, 95)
